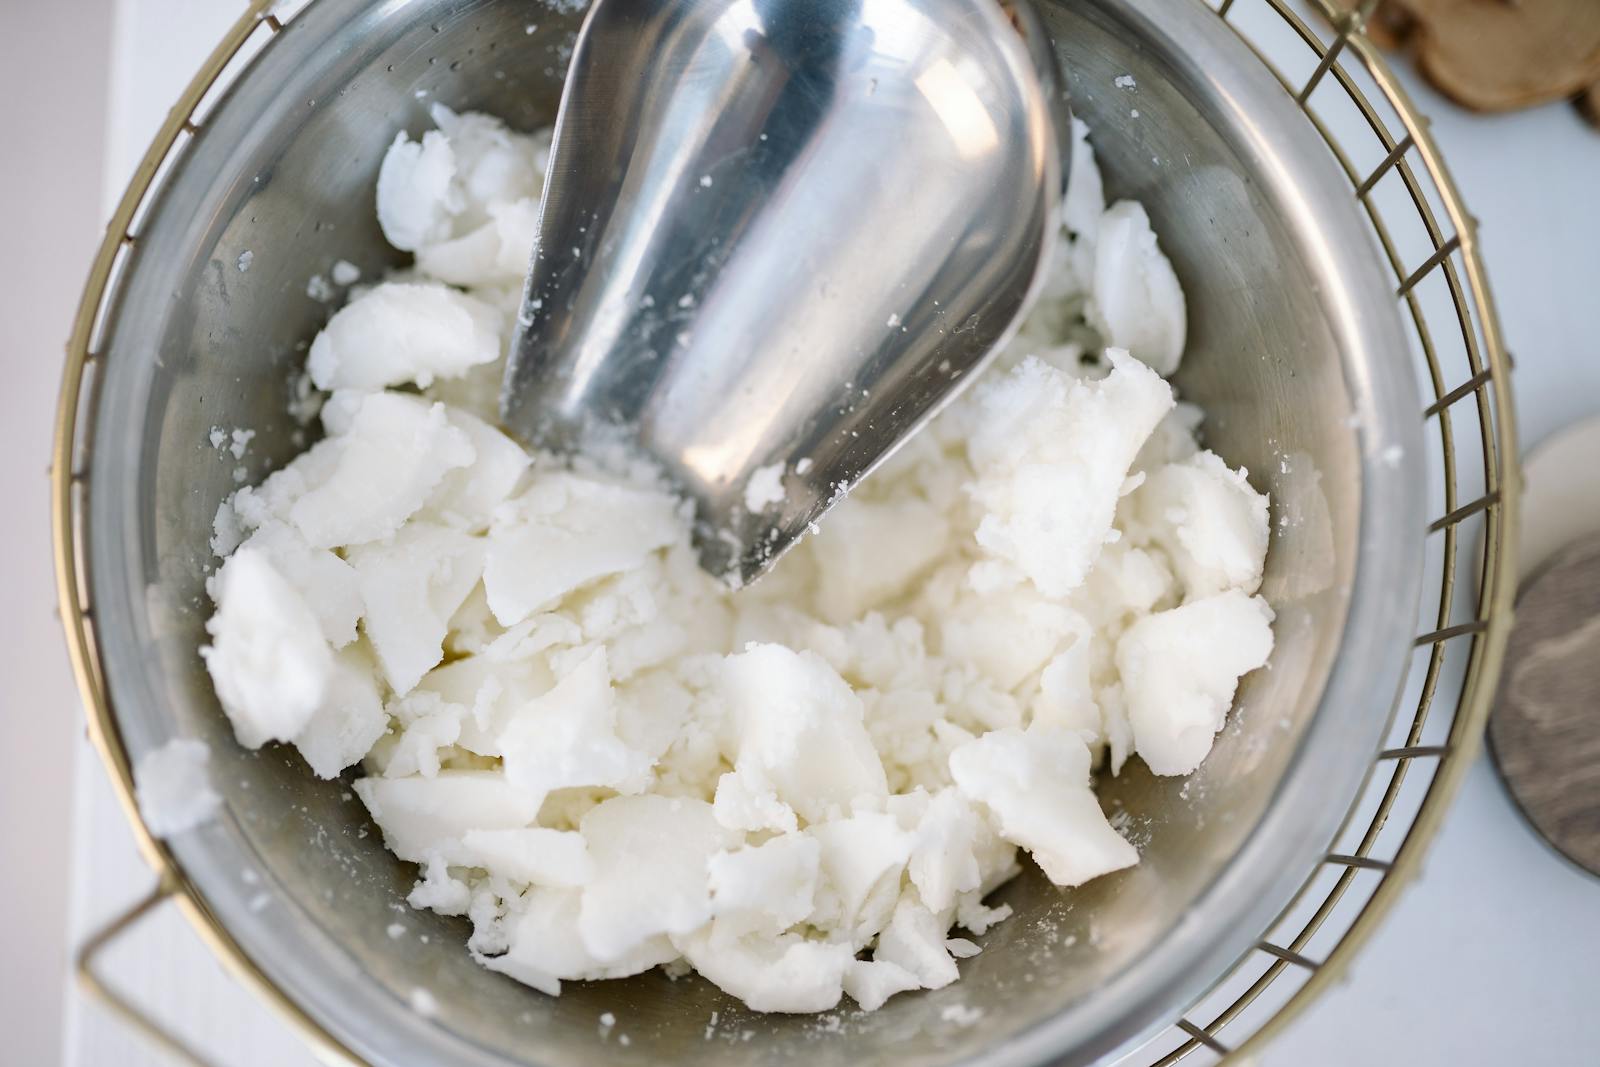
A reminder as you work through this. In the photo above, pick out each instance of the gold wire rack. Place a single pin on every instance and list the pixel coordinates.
(1321, 55)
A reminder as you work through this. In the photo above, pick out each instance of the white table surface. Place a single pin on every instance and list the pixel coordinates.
(1491, 958)
(50, 174)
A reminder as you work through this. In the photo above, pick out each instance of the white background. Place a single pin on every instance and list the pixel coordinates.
(1493, 957)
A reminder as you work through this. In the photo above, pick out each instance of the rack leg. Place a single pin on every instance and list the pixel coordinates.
(120, 1005)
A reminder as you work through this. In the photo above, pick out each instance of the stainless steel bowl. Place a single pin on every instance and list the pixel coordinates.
(1296, 352)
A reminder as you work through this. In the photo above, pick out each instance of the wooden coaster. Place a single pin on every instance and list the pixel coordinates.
(1544, 734)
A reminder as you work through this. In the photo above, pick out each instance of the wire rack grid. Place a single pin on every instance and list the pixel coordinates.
(1320, 53)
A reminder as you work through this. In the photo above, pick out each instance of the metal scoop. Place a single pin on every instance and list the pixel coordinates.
(777, 236)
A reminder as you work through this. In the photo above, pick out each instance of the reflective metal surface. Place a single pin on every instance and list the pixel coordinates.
(1295, 351)
(782, 232)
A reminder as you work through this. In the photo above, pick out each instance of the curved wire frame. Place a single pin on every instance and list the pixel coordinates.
(1320, 53)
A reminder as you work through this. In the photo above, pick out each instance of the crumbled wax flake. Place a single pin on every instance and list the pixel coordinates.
(404, 332)
(1180, 668)
(423, 1003)
(1138, 303)
(765, 488)
(344, 272)
(268, 658)
(173, 787)
(605, 759)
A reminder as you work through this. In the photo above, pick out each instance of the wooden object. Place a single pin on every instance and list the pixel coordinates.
(1497, 55)
(1589, 104)
(1545, 730)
